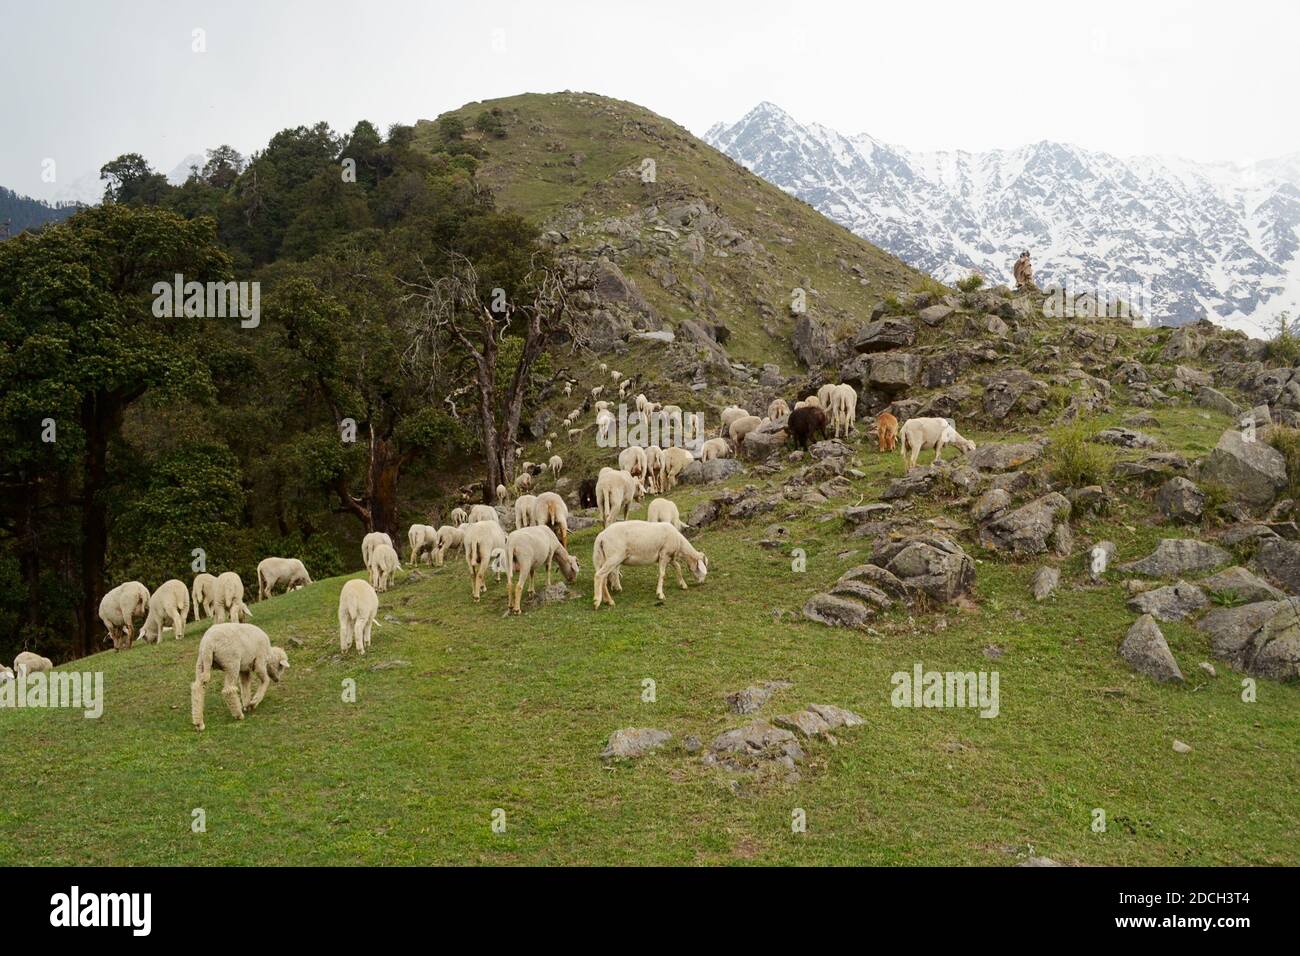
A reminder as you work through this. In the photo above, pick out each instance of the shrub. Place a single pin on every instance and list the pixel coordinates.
(972, 283)
(1285, 345)
(1287, 440)
(1073, 458)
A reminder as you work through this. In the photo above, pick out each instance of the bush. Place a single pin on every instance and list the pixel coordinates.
(1073, 458)
(1285, 346)
(1287, 440)
(972, 283)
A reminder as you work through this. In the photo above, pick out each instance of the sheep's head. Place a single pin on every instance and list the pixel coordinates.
(277, 663)
(569, 566)
(699, 567)
(640, 490)
(965, 444)
(241, 612)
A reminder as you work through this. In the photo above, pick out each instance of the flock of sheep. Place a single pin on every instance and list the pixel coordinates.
(540, 539)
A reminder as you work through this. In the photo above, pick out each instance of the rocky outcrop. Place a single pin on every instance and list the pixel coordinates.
(1240, 583)
(1181, 501)
(1279, 560)
(885, 334)
(1171, 603)
(812, 343)
(930, 563)
(634, 742)
(1177, 556)
(1028, 529)
(1004, 456)
(1252, 471)
(1261, 639)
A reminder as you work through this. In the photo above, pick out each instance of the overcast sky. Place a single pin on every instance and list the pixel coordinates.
(86, 81)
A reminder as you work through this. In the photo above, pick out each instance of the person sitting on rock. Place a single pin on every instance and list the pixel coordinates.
(1023, 272)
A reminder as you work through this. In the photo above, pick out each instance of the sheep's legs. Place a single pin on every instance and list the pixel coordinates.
(262, 687)
(197, 690)
(677, 566)
(663, 569)
(245, 687)
(230, 694)
(178, 625)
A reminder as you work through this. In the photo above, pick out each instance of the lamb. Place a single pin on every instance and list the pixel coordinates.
(556, 463)
(448, 537)
(778, 408)
(640, 543)
(228, 600)
(675, 461)
(730, 414)
(604, 427)
(550, 511)
(358, 608)
(663, 509)
(119, 608)
(527, 549)
(422, 539)
(714, 448)
(825, 395)
(742, 427)
(634, 461)
(287, 572)
(654, 467)
(523, 482)
(203, 592)
(844, 409)
(458, 517)
(28, 663)
(575, 432)
(170, 604)
(524, 510)
(503, 494)
(887, 431)
(483, 539)
(922, 433)
(370, 542)
(806, 422)
(483, 513)
(587, 493)
(383, 565)
(595, 392)
(616, 493)
(239, 651)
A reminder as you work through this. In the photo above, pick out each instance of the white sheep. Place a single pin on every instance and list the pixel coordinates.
(636, 543)
(5, 674)
(169, 604)
(547, 443)
(482, 541)
(918, 434)
(616, 493)
(550, 511)
(595, 392)
(448, 537)
(383, 565)
(575, 432)
(730, 414)
(654, 468)
(742, 427)
(778, 408)
(289, 573)
(119, 608)
(239, 651)
(615, 375)
(599, 407)
(523, 482)
(458, 517)
(641, 402)
(556, 464)
(203, 591)
(28, 663)
(228, 600)
(524, 510)
(672, 464)
(527, 549)
(568, 388)
(370, 542)
(605, 423)
(358, 608)
(503, 494)
(421, 539)
(824, 396)
(665, 510)
(633, 460)
(483, 513)
(844, 409)
(714, 448)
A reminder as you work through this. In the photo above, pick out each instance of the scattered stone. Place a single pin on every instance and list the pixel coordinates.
(1027, 529)
(836, 717)
(1253, 471)
(1280, 561)
(1180, 500)
(750, 699)
(837, 611)
(1126, 438)
(1241, 583)
(1261, 639)
(1004, 456)
(803, 722)
(1045, 582)
(885, 334)
(1147, 652)
(634, 742)
(990, 504)
(931, 563)
(551, 594)
(1038, 861)
(1181, 748)
(1208, 668)
(1170, 603)
(709, 472)
(1176, 556)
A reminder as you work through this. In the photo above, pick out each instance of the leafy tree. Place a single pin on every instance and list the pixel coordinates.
(131, 180)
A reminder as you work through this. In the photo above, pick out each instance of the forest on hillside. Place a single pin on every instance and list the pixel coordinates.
(18, 213)
(403, 320)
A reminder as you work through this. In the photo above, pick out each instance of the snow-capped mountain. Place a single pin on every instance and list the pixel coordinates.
(1179, 239)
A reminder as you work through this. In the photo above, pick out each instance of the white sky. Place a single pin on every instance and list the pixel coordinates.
(82, 82)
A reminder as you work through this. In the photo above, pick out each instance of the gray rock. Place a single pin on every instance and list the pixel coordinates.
(1147, 652)
(990, 504)
(750, 699)
(758, 739)
(935, 315)
(1241, 583)
(705, 513)
(837, 611)
(880, 579)
(893, 372)
(1028, 529)
(1279, 560)
(710, 472)
(762, 445)
(1177, 556)
(1261, 639)
(930, 563)
(885, 334)
(806, 723)
(1154, 467)
(1180, 500)
(1170, 603)
(836, 717)
(662, 336)
(1126, 438)
(1003, 456)
(812, 343)
(634, 742)
(1214, 399)
(1045, 582)
(1253, 471)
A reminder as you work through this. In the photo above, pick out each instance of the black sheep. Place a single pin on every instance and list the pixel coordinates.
(587, 493)
(806, 422)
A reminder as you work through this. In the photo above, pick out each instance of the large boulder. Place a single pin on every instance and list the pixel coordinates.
(1279, 560)
(1240, 583)
(935, 315)
(1262, 639)
(1252, 470)
(892, 372)
(1028, 529)
(1170, 603)
(837, 610)
(886, 334)
(1003, 456)
(1180, 500)
(708, 472)
(1147, 652)
(1177, 556)
(812, 343)
(931, 563)
(762, 445)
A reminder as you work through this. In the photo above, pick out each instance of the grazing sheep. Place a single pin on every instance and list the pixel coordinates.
(119, 608)
(663, 509)
(458, 517)
(654, 467)
(370, 542)
(778, 408)
(568, 388)
(483, 513)
(887, 431)
(825, 394)
(730, 414)
(524, 510)
(28, 663)
(550, 511)
(202, 591)
(605, 423)
(601, 407)
(228, 600)
(922, 433)
(239, 651)
(287, 572)
(527, 549)
(575, 432)
(844, 409)
(806, 422)
(595, 392)
(640, 543)
(634, 460)
(482, 540)
(503, 494)
(422, 539)
(811, 401)
(714, 448)
(170, 604)
(674, 462)
(383, 565)
(741, 427)
(616, 493)
(693, 427)
(523, 482)
(358, 608)
(615, 375)
(556, 464)
(448, 537)
(587, 493)
(641, 402)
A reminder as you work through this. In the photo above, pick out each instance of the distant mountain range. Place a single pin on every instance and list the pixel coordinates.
(22, 212)
(1184, 240)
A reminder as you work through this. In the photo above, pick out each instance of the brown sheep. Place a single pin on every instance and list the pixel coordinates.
(806, 422)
